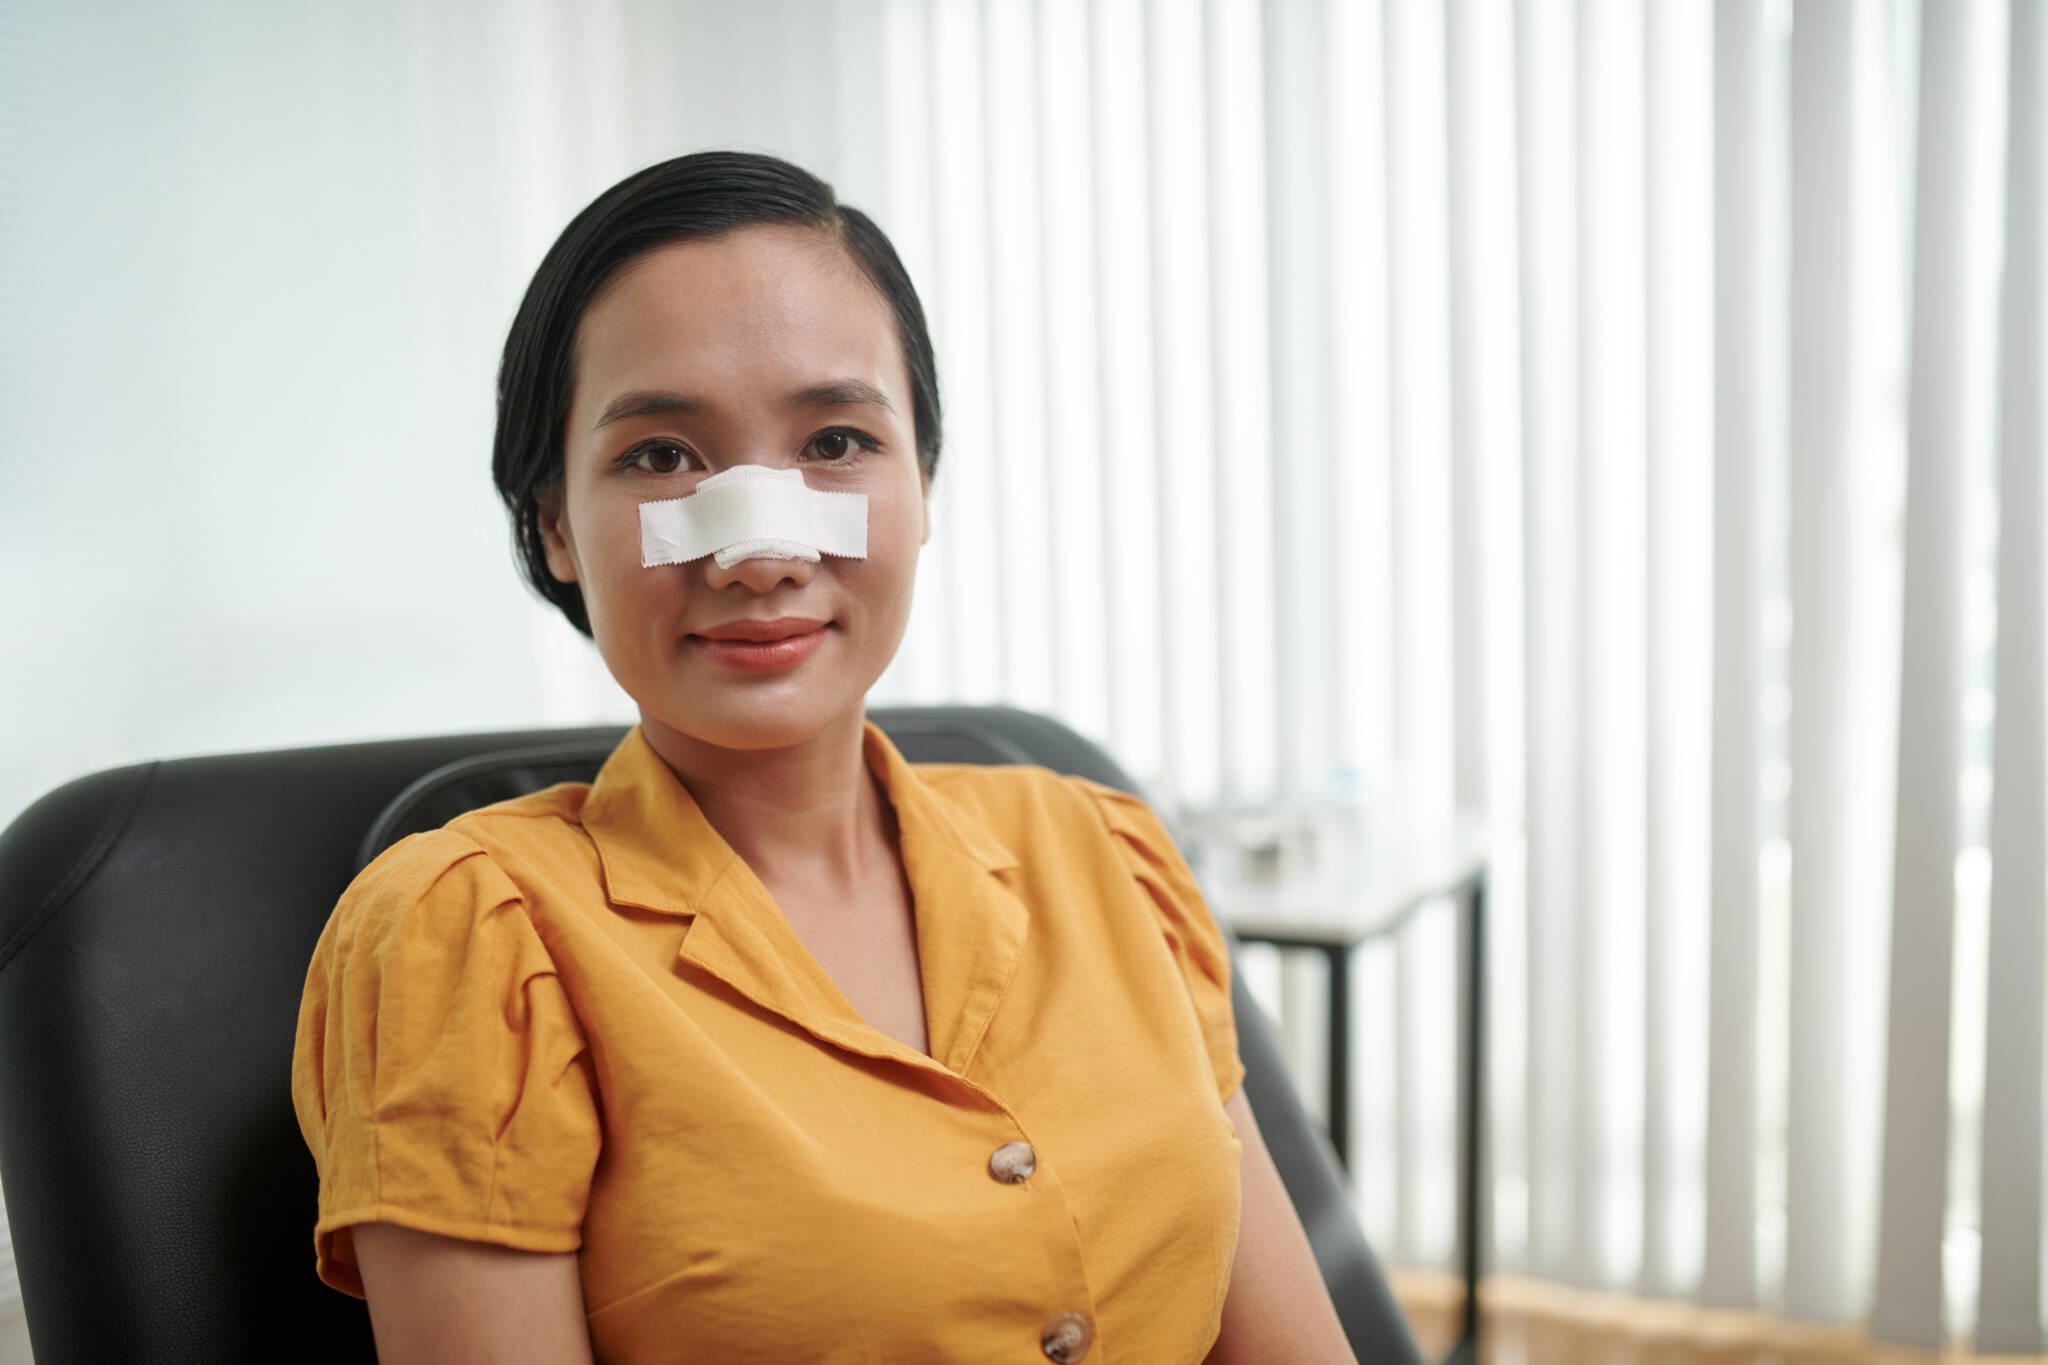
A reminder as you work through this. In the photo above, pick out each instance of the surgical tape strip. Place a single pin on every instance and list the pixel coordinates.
(752, 512)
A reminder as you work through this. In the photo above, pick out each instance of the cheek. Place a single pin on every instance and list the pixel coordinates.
(609, 546)
(895, 528)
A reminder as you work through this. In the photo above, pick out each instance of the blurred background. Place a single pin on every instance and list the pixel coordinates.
(1618, 423)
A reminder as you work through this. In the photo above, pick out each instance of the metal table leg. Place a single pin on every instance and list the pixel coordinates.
(1338, 1110)
(1472, 1125)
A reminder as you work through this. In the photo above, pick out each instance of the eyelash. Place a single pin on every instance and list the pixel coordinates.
(862, 441)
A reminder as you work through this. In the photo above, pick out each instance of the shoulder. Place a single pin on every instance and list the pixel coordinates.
(537, 823)
(488, 855)
(492, 834)
(418, 867)
(480, 861)
(1010, 795)
(1036, 809)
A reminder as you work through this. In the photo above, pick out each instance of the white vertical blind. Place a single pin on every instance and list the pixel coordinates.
(1729, 1276)
(974, 557)
(1332, 417)
(1073, 433)
(1020, 432)
(1418, 301)
(1485, 486)
(1185, 384)
(1425, 624)
(1488, 650)
(1314, 159)
(1949, 204)
(923, 666)
(2009, 1319)
(1878, 440)
(1545, 173)
(1678, 465)
(1611, 753)
(1124, 310)
(1241, 555)
(1473, 405)
(1823, 223)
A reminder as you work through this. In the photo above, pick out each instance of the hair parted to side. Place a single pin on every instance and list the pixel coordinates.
(705, 194)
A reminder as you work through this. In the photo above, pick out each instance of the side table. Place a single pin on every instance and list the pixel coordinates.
(1380, 889)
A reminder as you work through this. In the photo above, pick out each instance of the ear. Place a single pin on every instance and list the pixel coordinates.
(926, 480)
(554, 536)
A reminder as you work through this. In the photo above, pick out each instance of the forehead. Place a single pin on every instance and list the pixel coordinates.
(760, 311)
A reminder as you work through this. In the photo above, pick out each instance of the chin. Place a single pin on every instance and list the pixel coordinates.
(766, 718)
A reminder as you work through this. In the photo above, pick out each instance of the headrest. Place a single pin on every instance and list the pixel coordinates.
(436, 797)
(993, 734)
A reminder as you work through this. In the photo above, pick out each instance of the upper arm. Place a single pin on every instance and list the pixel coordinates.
(1277, 1308)
(451, 1302)
(1192, 935)
(440, 1074)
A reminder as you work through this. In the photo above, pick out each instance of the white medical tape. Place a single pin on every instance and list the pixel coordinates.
(753, 512)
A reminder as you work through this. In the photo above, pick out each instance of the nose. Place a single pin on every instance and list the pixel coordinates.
(762, 575)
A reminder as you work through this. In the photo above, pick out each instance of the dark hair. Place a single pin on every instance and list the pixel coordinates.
(705, 194)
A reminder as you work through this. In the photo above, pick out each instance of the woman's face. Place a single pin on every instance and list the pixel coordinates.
(765, 346)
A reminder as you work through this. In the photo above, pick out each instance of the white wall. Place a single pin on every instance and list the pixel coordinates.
(248, 344)
(256, 264)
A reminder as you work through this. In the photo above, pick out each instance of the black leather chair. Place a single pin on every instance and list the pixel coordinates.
(155, 926)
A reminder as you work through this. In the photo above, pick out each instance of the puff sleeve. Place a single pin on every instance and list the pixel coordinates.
(440, 1075)
(1185, 920)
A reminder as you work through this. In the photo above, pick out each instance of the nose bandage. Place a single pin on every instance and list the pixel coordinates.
(752, 512)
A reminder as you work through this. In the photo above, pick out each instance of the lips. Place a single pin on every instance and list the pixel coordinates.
(750, 646)
(763, 632)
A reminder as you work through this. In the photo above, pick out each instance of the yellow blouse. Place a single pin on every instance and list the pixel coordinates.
(576, 1021)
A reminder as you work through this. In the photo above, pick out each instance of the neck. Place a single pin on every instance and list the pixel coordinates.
(808, 814)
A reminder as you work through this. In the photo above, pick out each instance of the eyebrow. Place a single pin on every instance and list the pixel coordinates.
(841, 393)
(835, 393)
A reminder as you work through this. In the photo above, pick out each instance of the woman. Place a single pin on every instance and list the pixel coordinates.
(767, 1045)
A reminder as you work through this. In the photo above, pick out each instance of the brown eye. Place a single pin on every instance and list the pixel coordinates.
(657, 457)
(841, 442)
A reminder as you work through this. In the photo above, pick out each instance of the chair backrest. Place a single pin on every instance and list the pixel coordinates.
(155, 926)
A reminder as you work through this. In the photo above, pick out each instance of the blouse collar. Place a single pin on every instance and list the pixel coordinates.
(659, 852)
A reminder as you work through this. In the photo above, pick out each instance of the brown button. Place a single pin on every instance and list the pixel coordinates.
(1067, 1337)
(1013, 1162)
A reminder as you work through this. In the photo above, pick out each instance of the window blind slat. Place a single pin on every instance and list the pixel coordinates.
(1610, 677)
(1729, 1272)
(1246, 652)
(1816, 1284)
(1124, 316)
(965, 512)
(1469, 395)
(1545, 170)
(923, 668)
(1419, 403)
(1659, 969)
(1301, 169)
(1909, 1292)
(1185, 487)
(1478, 66)
(1678, 463)
(2009, 1313)
(1418, 421)
(1018, 411)
(1074, 450)
(1331, 57)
